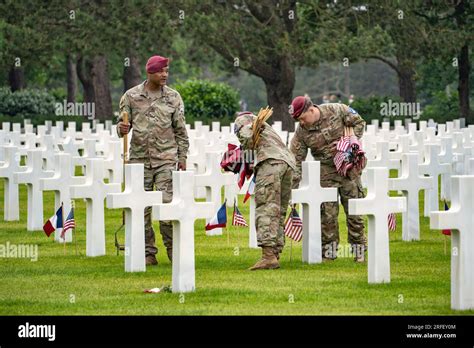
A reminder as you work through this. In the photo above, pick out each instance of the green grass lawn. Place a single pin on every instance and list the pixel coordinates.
(58, 284)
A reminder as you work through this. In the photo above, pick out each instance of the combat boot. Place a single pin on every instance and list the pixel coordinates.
(268, 261)
(170, 254)
(276, 251)
(151, 260)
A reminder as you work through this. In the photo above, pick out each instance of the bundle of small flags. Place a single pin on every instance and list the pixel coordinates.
(237, 218)
(294, 226)
(349, 153)
(233, 161)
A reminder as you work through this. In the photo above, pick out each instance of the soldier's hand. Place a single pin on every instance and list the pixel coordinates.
(182, 166)
(124, 128)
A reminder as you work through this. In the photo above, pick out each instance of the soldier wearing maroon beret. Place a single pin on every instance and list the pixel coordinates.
(159, 141)
(320, 128)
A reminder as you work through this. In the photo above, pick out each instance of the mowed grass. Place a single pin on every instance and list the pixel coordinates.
(70, 284)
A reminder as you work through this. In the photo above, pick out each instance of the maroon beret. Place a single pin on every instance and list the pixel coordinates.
(155, 64)
(297, 106)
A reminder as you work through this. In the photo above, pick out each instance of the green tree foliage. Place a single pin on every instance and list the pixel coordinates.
(206, 101)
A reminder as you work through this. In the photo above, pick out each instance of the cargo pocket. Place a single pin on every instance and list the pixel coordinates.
(264, 185)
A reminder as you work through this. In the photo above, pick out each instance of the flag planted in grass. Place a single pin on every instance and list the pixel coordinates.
(70, 223)
(237, 218)
(392, 222)
(219, 220)
(54, 222)
(294, 226)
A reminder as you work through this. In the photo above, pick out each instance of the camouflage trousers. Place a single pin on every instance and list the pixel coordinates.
(160, 179)
(272, 194)
(347, 187)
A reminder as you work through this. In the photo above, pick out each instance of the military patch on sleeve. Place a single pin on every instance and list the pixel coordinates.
(351, 110)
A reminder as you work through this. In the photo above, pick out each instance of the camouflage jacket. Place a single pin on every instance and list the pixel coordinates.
(322, 136)
(159, 131)
(270, 145)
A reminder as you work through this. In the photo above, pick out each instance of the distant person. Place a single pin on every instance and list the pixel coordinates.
(351, 99)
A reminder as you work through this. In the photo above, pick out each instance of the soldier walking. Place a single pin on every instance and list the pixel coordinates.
(159, 141)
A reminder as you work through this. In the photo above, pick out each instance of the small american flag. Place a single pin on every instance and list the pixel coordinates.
(392, 222)
(294, 226)
(237, 218)
(69, 223)
(343, 144)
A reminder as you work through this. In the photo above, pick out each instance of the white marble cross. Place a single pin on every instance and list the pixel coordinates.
(310, 194)
(213, 180)
(48, 151)
(378, 205)
(94, 190)
(460, 218)
(31, 176)
(183, 211)
(60, 183)
(113, 162)
(410, 183)
(383, 157)
(432, 167)
(446, 156)
(134, 199)
(11, 195)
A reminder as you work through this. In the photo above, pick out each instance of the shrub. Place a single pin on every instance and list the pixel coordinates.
(208, 101)
(26, 103)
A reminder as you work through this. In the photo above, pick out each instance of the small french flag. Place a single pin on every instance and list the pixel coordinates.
(54, 222)
(250, 190)
(219, 220)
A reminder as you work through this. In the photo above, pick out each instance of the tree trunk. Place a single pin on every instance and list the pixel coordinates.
(463, 84)
(71, 79)
(406, 83)
(83, 73)
(131, 74)
(280, 92)
(16, 78)
(101, 85)
(94, 77)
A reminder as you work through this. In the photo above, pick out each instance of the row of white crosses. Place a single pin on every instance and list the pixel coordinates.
(54, 177)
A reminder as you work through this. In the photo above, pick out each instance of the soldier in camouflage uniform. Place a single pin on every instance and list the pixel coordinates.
(321, 127)
(274, 167)
(159, 141)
